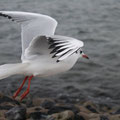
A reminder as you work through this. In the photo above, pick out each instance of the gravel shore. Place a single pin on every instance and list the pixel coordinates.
(54, 109)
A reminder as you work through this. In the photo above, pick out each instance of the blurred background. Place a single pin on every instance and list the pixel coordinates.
(97, 23)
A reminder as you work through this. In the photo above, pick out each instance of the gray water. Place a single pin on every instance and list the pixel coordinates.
(97, 23)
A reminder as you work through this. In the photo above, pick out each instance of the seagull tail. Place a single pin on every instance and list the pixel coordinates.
(7, 70)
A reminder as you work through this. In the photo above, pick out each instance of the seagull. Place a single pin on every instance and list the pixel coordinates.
(43, 52)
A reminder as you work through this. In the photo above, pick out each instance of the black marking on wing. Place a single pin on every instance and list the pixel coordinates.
(53, 51)
(7, 16)
(56, 49)
(65, 52)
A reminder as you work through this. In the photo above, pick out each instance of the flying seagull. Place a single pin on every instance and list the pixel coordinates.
(43, 53)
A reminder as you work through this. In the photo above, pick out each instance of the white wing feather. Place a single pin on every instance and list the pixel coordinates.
(32, 25)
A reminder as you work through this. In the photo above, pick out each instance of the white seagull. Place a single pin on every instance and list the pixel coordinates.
(43, 53)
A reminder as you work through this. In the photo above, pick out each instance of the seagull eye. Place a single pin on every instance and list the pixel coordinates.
(80, 52)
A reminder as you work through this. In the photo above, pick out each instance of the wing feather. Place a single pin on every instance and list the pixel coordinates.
(32, 25)
(45, 45)
(64, 56)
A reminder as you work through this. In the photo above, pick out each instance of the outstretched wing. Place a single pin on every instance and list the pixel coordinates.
(32, 25)
(59, 46)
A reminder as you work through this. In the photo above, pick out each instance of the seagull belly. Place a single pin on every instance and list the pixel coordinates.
(46, 67)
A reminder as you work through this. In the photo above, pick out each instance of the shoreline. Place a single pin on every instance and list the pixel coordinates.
(54, 109)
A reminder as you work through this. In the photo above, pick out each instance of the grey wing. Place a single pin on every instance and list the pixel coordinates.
(56, 46)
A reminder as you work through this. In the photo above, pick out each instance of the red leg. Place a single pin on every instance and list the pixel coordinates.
(28, 89)
(19, 89)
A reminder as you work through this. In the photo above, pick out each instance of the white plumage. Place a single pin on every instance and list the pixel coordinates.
(43, 53)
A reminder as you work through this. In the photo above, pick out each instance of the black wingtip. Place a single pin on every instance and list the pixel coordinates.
(57, 61)
(51, 46)
(53, 51)
(53, 56)
(7, 16)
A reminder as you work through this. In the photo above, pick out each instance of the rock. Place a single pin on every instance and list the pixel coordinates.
(105, 108)
(82, 116)
(2, 112)
(6, 106)
(94, 115)
(84, 109)
(91, 107)
(2, 118)
(87, 116)
(46, 103)
(55, 109)
(6, 99)
(114, 117)
(38, 111)
(66, 115)
(117, 112)
(35, 115)
(61, 107)
(7, 103)
(103, 117)
(37, 101)
(16, 113)
(77, 117)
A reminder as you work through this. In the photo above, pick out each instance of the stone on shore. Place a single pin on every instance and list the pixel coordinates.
(16, 113)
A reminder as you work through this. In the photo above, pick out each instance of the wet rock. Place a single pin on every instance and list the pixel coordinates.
(66, 115)
(16, 113)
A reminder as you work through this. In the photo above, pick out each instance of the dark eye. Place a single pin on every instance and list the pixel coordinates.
(80, 52)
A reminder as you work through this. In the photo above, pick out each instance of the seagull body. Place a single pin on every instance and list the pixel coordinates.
(43, 53)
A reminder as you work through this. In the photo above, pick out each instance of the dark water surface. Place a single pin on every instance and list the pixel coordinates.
(97, 23)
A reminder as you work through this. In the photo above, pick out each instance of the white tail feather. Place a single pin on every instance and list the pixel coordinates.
(7, 70)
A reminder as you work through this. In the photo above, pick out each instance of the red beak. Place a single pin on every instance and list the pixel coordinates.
(85, 56)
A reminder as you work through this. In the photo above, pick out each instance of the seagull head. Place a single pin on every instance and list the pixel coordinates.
(83, 55)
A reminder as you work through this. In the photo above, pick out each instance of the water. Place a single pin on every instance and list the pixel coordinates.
(97, 23)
